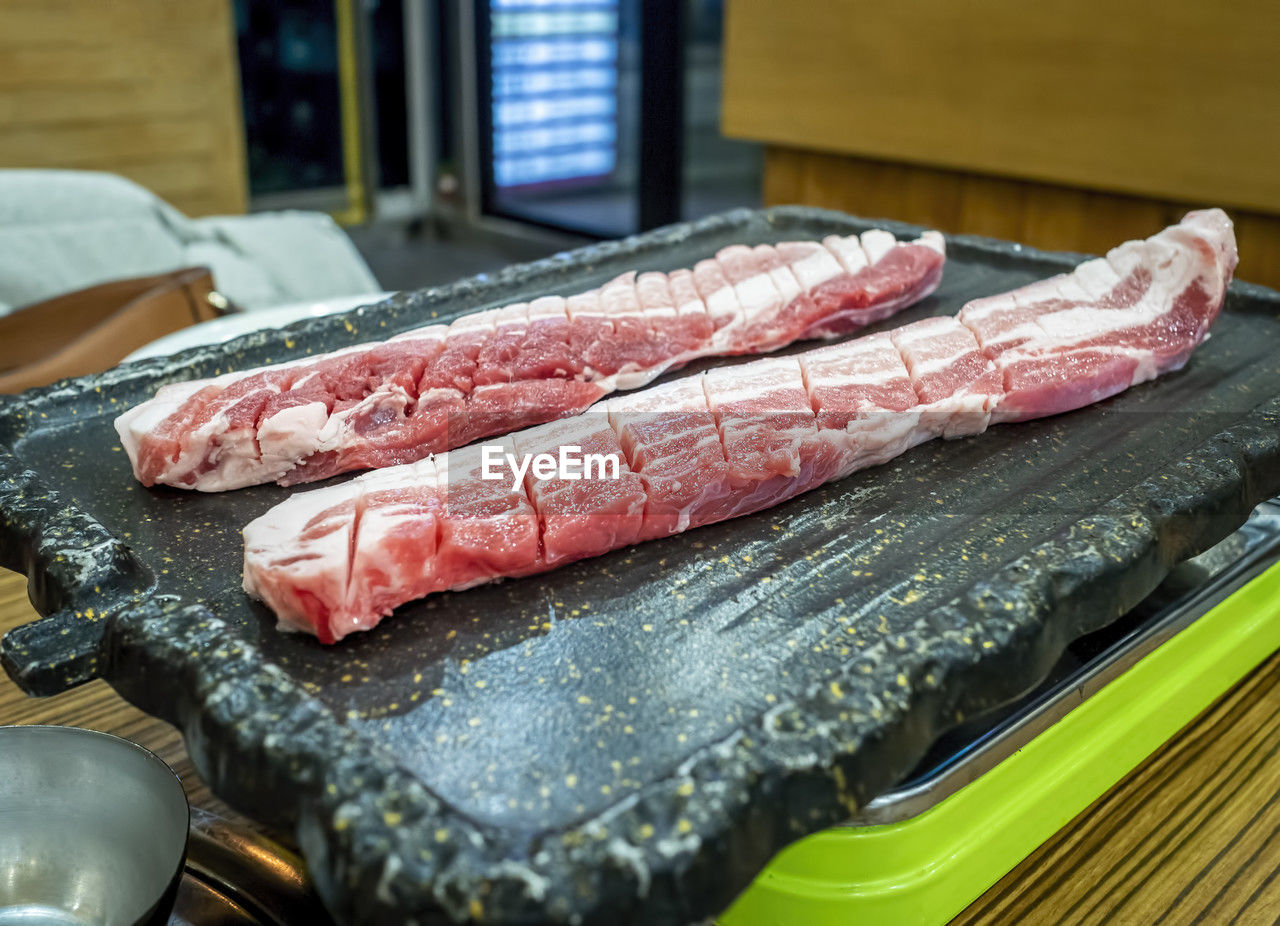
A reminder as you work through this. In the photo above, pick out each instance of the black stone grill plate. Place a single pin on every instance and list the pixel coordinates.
(632, 737)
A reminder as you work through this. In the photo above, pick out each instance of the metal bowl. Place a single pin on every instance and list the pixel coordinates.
(93, 829)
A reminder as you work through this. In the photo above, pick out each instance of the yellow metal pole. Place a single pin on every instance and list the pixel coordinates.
(357, 209)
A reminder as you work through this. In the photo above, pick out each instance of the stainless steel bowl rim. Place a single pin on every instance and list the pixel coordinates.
(158, 910)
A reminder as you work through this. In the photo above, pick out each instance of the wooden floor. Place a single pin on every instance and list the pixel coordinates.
(1192, 835)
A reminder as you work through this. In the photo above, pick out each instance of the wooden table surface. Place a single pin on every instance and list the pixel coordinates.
(1191, 836)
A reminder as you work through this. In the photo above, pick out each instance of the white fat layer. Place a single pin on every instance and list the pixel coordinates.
(927, 330)
(877, 243)
(1069, 324)
(634, 379)
(934, 241)
(426, 333)
(932, 362)
(1153, 254)
(555, 433)
(779, 272)
(848, 251)
(758, 297)
(137, 422)
(934, 344)
(717, 294)
(679, 396)
(477, 322)
(959, 415)
(548, 307)
(512, 317)
(1076, 296)
(466, 461)
(754, 382)
(757, 370)
(618, 297)
(684, 292)
(215, 440)
(815, 267)
(1025, 330)
(788, 286)
(439, 394)
(304, 361)
(1036, 351)
(776, 395)
(1097, 278)
(880, 436)
(236, 464)
(654, 294)
(290, 435)
(980, 309)
(721, 303)
(177, 393)
(276, 562)
(420, 473)
(190, 387)
(584, 305)
(1069, 289)
(820, 375)
(281, 526)
(870, 345)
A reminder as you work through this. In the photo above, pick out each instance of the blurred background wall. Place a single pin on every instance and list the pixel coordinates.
(547, 122)
(556, 120)
(1068, 126)
(144, 89)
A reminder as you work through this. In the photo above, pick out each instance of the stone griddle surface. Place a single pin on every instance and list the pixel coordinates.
(632, 737)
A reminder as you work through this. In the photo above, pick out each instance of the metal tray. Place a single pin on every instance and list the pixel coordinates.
(236, 877)
(1192, 589)
(632, 737)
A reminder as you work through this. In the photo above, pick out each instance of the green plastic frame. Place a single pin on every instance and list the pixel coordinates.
(927, 869)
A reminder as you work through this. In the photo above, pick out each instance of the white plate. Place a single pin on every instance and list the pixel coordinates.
(232, 326)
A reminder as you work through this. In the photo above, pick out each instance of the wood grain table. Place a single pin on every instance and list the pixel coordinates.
(1191, 836)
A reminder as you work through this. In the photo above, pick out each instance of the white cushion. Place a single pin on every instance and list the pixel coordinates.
(63, 230)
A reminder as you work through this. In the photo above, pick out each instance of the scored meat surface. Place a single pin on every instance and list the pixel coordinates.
(500, 370)
(738, 439)
(1116, 321)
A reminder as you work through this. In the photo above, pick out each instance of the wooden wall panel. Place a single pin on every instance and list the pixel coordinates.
(1044, 215)
(144, 88)
(1171, 100)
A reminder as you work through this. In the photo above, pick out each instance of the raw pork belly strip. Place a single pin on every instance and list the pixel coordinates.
(739, 439)
(444, 386)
